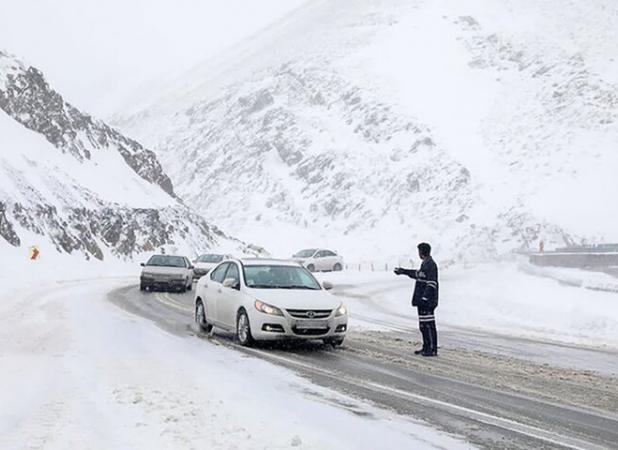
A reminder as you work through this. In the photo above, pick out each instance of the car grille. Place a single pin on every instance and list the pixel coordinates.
(310, 332)
(310, 313)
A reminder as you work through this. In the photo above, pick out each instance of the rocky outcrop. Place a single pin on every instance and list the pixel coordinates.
(27, 97)
(6, 228)
(43, 191)
(125, 232)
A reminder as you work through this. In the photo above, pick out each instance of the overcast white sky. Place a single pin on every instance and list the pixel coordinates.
(97, 53)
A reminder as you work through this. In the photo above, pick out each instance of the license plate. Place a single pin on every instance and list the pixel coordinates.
(311, 324)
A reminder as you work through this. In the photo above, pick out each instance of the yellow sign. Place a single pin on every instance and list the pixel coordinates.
(34, 253)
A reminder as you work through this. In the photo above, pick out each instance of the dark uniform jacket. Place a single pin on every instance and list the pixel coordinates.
(426, 289)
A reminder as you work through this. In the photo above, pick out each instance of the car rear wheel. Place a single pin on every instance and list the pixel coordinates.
(337, 267)
(243, 329)
(311, 268)
(200, 318)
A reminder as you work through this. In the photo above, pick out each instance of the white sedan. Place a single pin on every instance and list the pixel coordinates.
(319, 259)
(260, 299)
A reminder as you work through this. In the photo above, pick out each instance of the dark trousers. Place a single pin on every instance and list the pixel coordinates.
(427, 325)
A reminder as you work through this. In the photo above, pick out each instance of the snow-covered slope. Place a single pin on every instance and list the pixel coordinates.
(73, 181)
(480, 126)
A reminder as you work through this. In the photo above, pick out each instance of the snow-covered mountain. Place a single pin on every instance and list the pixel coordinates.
(72, 183)
(369, 125)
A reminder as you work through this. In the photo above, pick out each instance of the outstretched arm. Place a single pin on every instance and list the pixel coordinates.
(409, 272)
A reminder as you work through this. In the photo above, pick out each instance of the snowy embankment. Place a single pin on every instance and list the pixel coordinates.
(77, 372)
(501, 297)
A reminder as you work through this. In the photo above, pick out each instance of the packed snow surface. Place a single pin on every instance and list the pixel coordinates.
(80, 373)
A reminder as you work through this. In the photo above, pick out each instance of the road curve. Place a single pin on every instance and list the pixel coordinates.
(492, 400)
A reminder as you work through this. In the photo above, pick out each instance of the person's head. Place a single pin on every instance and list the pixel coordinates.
(424, 250)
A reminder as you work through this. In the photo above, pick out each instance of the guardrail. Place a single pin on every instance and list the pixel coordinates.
(575, 260)
(572, 279)
(379, 266)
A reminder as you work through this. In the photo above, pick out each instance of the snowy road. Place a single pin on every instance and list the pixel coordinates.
(491, 389)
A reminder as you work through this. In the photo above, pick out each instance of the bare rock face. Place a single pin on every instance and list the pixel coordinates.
(6, 228)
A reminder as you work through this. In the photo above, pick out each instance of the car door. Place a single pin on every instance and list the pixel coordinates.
(230, 299)
(189, 271)
(330, 259)
(212, 291)
(320, 263)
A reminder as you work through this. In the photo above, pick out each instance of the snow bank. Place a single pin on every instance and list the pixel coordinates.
(9, 65)
(502, 297)
(34, 170)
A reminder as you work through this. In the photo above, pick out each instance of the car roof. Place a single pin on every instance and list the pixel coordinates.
(267, 262)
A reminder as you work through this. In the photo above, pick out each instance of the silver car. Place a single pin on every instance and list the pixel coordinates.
(167, 272)
(204, 263)
(319, 259)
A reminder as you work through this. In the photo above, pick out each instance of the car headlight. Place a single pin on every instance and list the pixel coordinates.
(341, 311)
(267, 309)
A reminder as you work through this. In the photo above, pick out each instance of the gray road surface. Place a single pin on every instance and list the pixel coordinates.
(488, 388)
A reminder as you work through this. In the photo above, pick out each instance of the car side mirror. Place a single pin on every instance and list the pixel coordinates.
(143, 264)
(231, 283)
(327, 285)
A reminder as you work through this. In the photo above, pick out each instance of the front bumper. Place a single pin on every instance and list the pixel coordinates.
(161, 283)
(265, 327)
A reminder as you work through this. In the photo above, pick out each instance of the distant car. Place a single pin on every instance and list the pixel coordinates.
(261, 299)
(167, 272)
(204, 263)
(319, 259)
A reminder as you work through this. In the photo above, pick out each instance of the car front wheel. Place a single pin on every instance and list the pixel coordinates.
(337, 267)
(200, 318)
(243, 329)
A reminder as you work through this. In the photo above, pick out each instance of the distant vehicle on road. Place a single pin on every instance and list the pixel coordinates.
(167, 272)
(263, 299)
(204, 263)
(319, 259)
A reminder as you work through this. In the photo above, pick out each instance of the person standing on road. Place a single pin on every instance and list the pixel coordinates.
(425, 298)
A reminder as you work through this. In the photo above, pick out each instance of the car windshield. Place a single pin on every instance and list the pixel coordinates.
(279, 277)
(210, 258)
(305, 253)
(166, 261)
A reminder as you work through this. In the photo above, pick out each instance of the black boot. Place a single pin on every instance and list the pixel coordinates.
(425, 334)
(434, 338)
(431, 349)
